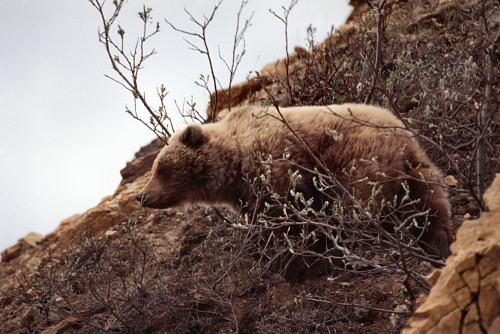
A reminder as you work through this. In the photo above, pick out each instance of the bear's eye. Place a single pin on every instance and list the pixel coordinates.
(162, 172)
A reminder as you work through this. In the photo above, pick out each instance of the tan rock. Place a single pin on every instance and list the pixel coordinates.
(489, 305)
(239, 94)
(11, 253)
(492, 195)
(472, 315)
(450, 323)
(252, 91)
(109, 212)
(434, 276)
(450, 282)
(69, 220)
(471, 278)
(278, 68)
(471, 328)
(110, 233)
(495, 326)
(465, 297)
(466, 263)
(30, 240)
(490, 260)
(339, 39)
(431, 312)
(468, 234)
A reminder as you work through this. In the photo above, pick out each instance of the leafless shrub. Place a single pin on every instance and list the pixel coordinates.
(128, 64)
(231, 274)
(238, 51)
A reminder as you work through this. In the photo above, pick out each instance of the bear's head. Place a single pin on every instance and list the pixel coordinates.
(178, 171)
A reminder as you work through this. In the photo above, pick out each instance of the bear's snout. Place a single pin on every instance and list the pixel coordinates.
(141, 197)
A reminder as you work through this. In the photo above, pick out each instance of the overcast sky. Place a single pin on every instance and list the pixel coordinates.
(64, 135)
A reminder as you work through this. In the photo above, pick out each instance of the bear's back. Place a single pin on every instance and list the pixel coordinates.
(363, 132)
(264, 127)
(247, 117)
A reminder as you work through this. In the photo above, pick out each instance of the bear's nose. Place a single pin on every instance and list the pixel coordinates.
(141, 197)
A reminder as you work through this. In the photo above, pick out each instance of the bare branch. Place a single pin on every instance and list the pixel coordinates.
(379, 12)
(205, 49)
(284, 20)
(128, 66)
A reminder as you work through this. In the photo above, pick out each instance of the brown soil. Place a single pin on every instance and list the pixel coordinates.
(191, 271)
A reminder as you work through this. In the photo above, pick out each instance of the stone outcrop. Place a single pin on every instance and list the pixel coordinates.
(31, 240)
(111, 211)
(465, 297)
(142, 162)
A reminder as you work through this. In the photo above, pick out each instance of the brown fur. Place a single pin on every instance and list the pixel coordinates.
(208, 164)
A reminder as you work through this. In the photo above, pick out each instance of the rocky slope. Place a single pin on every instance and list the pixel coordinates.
(465, 297)
(120, 268)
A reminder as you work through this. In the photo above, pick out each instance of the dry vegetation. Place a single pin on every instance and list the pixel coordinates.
(434, 65)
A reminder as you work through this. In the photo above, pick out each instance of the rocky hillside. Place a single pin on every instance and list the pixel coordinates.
(121, 268)
(465, 297)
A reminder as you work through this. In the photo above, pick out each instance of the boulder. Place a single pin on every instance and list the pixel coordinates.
(465, 297)
(111, 211)
(30, 240)
(142, 163)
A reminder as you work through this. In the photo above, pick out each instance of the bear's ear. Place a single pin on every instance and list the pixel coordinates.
(192, 135)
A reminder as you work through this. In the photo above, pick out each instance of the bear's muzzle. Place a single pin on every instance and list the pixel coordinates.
(141, 197)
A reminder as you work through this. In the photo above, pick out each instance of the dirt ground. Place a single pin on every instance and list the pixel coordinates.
(195, 270)
(182, 264)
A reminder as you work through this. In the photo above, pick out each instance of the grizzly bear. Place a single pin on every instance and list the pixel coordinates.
(359, 145)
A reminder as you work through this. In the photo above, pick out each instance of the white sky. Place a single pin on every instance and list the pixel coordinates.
(64, 135)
